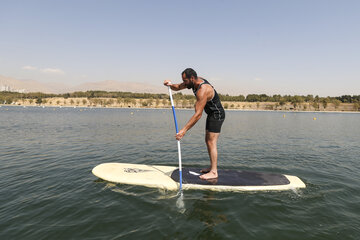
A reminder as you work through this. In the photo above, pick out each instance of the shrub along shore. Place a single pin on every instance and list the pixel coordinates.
(147, 100)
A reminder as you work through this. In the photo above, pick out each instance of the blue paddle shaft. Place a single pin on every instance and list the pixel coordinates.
(178, 142)
(174, 114)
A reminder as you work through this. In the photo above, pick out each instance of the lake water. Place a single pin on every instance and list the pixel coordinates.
(48, 191)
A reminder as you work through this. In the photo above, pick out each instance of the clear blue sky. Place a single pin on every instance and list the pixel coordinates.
(241, 47)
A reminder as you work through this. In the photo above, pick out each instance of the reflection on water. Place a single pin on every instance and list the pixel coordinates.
(180, 202)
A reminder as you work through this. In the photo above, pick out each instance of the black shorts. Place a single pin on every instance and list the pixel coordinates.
(213, 124)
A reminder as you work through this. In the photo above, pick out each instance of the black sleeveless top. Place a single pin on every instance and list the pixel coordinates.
(213, 107)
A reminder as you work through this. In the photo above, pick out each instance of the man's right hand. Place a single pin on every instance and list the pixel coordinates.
(167, 83)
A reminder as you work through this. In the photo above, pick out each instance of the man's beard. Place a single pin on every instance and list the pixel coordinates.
(190, 85)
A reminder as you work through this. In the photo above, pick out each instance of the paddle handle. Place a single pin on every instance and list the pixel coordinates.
(178, 142)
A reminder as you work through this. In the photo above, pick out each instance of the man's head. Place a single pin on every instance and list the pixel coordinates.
(189, 76)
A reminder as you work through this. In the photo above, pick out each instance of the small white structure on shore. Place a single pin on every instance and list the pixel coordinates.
(6, 88)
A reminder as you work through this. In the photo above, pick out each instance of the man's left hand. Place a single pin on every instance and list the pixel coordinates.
(180, 134)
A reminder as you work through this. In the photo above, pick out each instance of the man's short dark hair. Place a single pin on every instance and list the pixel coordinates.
(189, 72)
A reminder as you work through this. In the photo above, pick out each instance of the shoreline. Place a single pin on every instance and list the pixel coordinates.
(177, 108)
(181, 102)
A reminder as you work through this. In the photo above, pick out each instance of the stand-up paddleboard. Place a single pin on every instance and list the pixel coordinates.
(167, 177)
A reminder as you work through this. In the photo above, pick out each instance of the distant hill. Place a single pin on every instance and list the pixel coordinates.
(109, 85)
(27, 85)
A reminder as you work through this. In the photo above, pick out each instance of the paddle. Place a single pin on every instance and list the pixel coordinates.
(178, 142)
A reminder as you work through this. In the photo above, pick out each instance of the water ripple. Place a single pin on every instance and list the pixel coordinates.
(48, 191)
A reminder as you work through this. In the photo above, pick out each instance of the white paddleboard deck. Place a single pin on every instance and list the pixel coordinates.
(167, 177)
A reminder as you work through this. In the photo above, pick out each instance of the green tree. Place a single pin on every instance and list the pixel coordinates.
(346, 99)
(296, 100)
(264, 98)
(252, 98)
(317, 99)
(240, 98)
(38, 100)
(324, 102)
(282, 102)
(309, 98)
(316, 106)
(276, 98)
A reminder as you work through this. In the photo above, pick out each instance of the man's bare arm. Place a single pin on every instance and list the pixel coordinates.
(175, 87)
(201, 99)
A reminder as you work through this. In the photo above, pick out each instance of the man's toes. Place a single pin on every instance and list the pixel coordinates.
(209, 175)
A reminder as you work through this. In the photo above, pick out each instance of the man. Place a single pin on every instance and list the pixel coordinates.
(206, 99)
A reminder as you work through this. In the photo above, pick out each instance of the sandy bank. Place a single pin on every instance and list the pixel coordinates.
(185, 104)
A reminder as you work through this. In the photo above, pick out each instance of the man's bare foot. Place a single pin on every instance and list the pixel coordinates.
(209, 175)
(205, 170)
(212, 180)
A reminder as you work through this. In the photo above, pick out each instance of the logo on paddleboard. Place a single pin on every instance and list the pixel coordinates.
(135, 170)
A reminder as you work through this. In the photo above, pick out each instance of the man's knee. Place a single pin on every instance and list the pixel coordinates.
(211, 140)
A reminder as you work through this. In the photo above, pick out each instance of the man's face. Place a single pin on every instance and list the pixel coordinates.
(189, 83)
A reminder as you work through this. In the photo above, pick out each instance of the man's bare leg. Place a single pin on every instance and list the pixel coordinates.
(211, 143)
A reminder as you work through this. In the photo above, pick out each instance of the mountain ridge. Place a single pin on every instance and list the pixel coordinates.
(57, 88)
